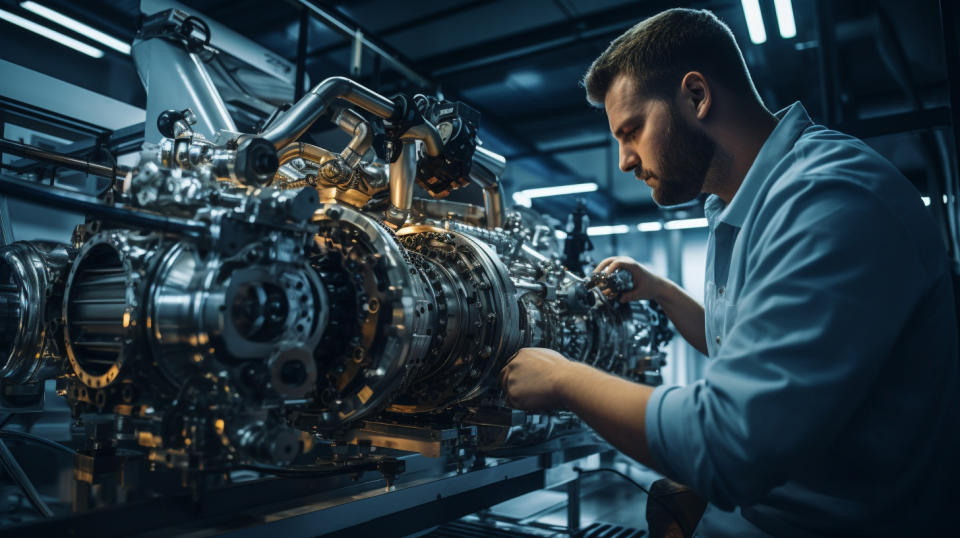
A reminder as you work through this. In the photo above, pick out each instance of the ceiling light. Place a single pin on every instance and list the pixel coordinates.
(77, 26)
(655, 226)
(926, 200)
(788, 27)
(51, 34)
(560, 234)
(685, 224)
(608, 230)
(751, 10)
(559, 190)
(522, 200)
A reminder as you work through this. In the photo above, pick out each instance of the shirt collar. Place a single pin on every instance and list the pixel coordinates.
(793, 121)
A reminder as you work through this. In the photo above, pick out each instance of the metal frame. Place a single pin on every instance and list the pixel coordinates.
(427, 494)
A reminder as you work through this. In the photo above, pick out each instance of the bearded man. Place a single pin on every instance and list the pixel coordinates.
(829, 404)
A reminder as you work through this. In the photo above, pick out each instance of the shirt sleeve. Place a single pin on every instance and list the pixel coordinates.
(831, 277)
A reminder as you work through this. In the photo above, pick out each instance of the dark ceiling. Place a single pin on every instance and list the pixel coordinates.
(520, 62)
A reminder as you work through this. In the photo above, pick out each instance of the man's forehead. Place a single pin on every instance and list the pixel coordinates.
(622, 101)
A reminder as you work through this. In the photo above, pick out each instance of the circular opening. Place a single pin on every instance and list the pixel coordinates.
(259, 311)
(96, 310)
(293, 373)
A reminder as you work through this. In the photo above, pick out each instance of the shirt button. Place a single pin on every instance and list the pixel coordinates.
(720, 291)
(718, 340)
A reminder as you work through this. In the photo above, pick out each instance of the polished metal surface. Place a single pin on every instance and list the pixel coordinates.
(278, 317)
(178, 80)
(31, 278)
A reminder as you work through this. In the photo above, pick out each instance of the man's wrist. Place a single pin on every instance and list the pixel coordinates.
(663, 290)
(568, 379)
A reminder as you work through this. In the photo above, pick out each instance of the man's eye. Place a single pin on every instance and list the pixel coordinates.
(631, 134)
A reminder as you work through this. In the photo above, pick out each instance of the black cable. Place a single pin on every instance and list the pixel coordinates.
(640, 487)
(31, 438)
(16, 473)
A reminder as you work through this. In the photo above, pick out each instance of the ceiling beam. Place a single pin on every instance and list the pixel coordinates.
(405, 26)
(342, 23)
(548, 37)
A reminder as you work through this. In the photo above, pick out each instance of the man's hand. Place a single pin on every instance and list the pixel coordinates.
(646, 285)
(539, 379)
(533, 377)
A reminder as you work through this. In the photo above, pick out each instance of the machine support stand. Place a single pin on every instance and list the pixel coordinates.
(573, 506)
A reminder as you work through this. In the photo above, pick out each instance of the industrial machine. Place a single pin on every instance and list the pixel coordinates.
(248, 301)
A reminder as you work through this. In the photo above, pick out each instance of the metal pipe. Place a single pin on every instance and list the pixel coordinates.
(91, 207)
(294, 122)
(485, 171)
(487, 167)
(33, 152)
(426, 132)
(354, 125)
(493, 204)
(306, 151)
(403, 173)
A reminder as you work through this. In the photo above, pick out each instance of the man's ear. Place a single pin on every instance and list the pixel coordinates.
(695, 93)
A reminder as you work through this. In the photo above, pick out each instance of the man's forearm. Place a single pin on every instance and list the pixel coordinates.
(614, 407)
(685, 313)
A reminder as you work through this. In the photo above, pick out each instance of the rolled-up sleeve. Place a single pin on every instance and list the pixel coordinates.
(823, 300)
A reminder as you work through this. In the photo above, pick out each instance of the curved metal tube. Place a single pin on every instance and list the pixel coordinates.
(294, 122)
(354, 125)
(428, 134)
(306, 151)
(487, 167)
(485, 171)
(493, 204)
(403, 173)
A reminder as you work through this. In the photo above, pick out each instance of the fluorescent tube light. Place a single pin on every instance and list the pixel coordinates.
(685, 224)
(52, 35)
(788, 27)
(655, 226)
(608, 230)
(77, 26)
(751, 10)
(559, 190)
(522, 199)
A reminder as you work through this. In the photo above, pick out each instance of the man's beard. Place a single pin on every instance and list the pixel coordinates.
(684, 163)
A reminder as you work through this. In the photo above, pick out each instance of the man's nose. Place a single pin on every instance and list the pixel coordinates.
(628, 158)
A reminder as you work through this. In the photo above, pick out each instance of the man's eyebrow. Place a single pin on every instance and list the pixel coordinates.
(628, 124)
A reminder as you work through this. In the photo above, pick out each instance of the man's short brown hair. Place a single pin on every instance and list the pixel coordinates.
(659, 51)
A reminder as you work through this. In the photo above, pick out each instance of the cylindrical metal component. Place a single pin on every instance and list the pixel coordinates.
(403, 175)
(101, 307)
(30, 279)
(426, 132)
(294, 122)
(487, 167)
(40, 154)
(302, 150)
(354, 125)
(493, 204)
